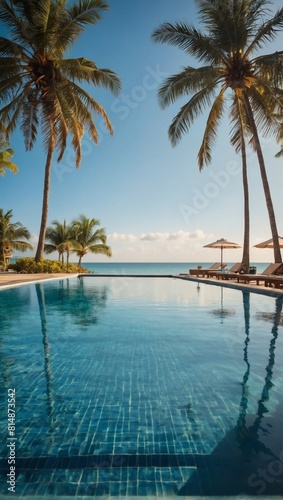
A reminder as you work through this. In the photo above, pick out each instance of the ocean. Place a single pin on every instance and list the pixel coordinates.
(154, 267)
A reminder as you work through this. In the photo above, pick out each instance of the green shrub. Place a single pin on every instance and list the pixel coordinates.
(28, 265)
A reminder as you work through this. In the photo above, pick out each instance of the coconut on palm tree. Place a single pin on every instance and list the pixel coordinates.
(12, 237)
(88, 238)
(59, 238)
(234, 31)
(40, 88)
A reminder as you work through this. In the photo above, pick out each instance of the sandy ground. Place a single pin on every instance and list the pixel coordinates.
(9, 279)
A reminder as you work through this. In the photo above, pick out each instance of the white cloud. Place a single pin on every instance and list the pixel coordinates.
(122, 237)
(159, 236)
(153, 236)
(177, 246)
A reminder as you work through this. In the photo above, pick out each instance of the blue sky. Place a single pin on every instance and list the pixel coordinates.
(150, 197)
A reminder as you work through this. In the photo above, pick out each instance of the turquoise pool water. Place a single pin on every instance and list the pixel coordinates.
(148, 386)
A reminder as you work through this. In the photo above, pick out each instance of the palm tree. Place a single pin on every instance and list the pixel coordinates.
(11, 237)
(59, 237)
(87, 239)
(39, 88)
(235, 29)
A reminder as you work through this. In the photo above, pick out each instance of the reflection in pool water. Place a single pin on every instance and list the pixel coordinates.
(139, 389)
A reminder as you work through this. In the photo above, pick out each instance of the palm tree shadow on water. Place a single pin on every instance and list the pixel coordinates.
(249, 460)
(46, 349)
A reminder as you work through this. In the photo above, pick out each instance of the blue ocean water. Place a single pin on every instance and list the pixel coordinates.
(154, 267)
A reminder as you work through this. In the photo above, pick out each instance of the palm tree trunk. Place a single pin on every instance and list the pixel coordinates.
(3, 256)
(269, 204)
(80, 260)
(46, 189)
(246, 244)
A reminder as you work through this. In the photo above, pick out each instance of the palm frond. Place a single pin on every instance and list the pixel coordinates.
(21, 246)
(8, 165)
(188, 81)
(210, 134)
(73, 20)
(189, 39)
(267, 104)
(48, 248)
(10, 87)
(266, 32)
(225, 23)
(29, 125)
(11, 113)
(82, 69)
(270, 67)
(16, 17)
(101, 249)
(189, 112)
(85, 105)
(9, 48)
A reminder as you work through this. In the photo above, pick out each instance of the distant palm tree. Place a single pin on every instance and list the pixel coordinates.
(11, 237)
(59, 239)
(87, 239)
(235, 29)
(39, 88)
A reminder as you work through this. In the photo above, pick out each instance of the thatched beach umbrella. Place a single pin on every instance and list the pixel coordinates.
(222, 243)
(269, 243)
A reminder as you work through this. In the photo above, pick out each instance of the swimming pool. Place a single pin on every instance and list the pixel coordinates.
(156, 387)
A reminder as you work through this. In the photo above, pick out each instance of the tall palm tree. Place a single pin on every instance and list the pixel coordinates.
(12, 236)
(59, 239)
(39, 88)
(89, 239)
(235, 29)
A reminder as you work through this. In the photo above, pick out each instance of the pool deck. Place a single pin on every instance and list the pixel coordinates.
(274, 292)
(8, 279)
(12, 279)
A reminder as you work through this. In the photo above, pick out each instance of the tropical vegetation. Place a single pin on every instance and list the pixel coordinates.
(6, 154)
(80, 237)
(40, 87)
(29, 265)
(234, 30)
(13, 236)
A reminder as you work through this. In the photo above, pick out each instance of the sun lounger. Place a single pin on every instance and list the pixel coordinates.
(273, 281)
(271, 270)
(225, 273)
(204, 272)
